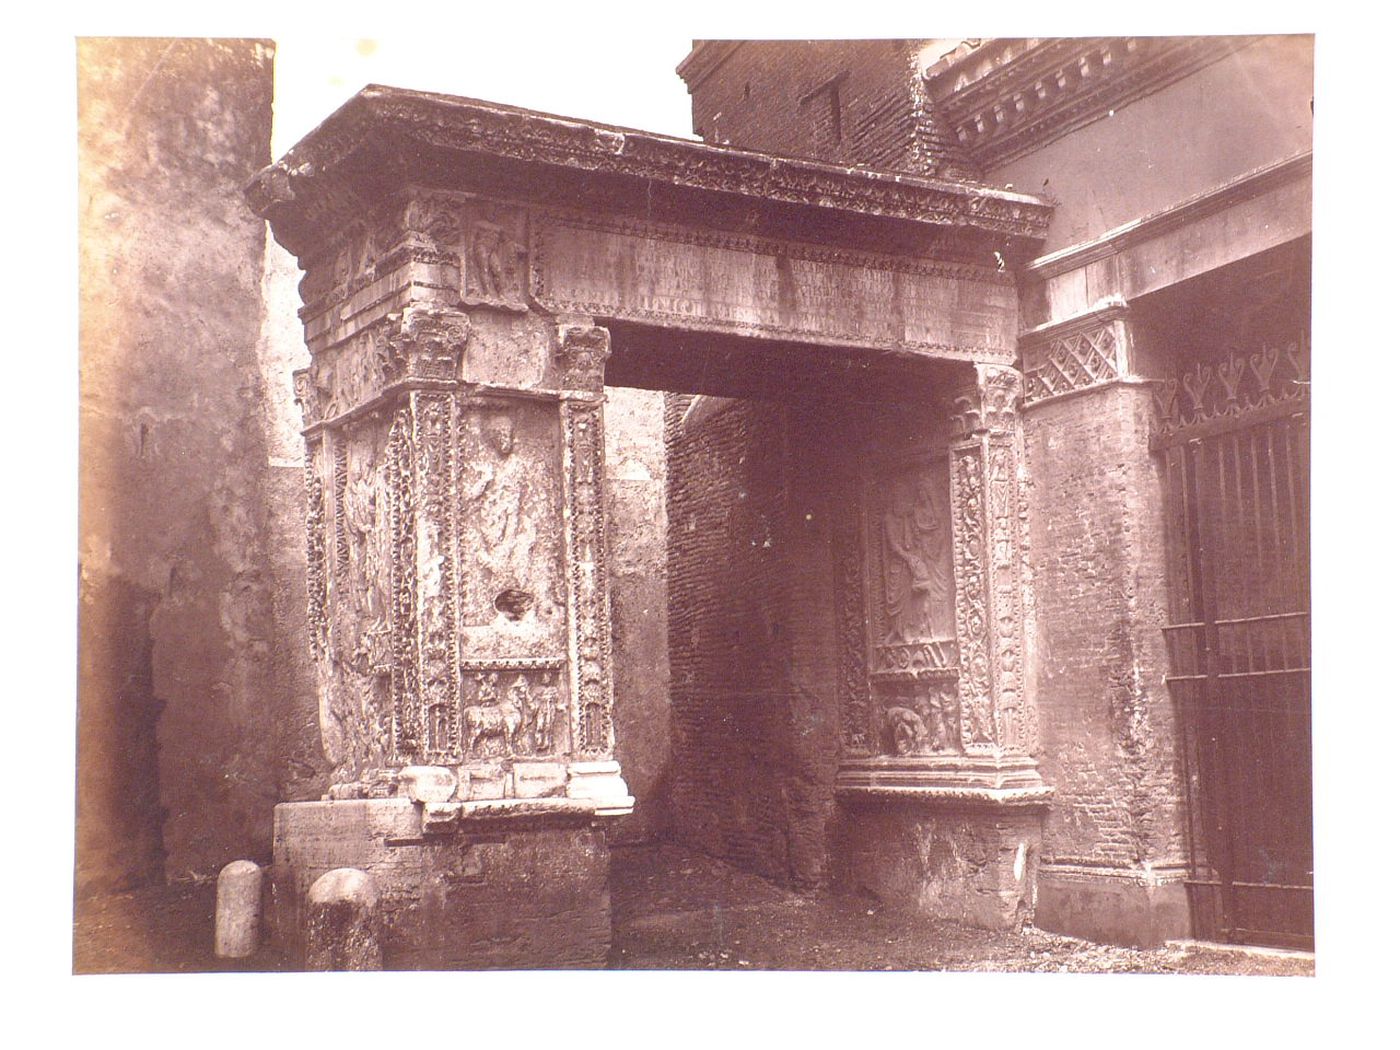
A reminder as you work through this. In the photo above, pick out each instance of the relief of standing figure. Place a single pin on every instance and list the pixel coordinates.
(913, 531)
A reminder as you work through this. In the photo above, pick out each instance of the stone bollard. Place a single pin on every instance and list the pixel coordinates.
(237, 910)
(342, 922)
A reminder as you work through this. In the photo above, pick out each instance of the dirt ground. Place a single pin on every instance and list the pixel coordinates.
(674, 909)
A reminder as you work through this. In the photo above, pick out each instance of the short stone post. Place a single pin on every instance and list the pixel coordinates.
(342, 922)
(237, 910)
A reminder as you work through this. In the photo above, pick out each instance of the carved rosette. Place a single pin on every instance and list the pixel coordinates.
(590, 632)
(987, 555)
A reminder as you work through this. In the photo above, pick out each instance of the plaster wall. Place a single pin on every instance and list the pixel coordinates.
(1250, 109)
(192, 676)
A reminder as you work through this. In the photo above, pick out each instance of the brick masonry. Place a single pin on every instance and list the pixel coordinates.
(846, 102)
(1107, 725)
(752, 638)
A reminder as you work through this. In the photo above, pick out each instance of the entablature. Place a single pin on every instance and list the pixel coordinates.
(384, 136)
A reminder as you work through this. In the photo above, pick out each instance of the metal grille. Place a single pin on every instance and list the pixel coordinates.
(1239, 644)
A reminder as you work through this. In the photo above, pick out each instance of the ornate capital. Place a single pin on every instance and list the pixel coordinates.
(988, 404)
(422, 343)
(581, 351)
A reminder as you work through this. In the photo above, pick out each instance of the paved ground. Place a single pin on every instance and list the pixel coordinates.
(678, 910)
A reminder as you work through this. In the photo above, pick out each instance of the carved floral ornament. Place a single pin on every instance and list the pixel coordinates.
(581, 352)
(419, 343)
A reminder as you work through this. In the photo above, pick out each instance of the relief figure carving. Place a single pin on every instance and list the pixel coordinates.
(545, 704)
(491, 718)
(493, 485)
(914, 532)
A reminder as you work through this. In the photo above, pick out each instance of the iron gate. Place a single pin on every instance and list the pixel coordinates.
(1235, 438)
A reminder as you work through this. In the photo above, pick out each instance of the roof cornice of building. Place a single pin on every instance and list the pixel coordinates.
(1005, 98)
(705, 57)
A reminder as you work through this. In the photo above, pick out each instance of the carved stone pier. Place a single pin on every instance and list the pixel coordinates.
(941, 790)
(458, 597)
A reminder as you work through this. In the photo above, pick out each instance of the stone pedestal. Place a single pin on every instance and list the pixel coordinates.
(478, 885)
(458, 599)
(965, 861)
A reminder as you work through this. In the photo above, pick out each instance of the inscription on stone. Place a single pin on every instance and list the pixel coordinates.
(771, 289)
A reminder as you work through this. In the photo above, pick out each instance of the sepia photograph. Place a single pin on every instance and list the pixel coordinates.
(753, 502)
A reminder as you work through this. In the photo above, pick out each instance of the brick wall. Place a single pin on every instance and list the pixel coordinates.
(846, 102)
(1099, 581)
(752, 636)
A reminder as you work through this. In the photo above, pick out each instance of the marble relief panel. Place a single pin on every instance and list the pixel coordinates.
(510, 533)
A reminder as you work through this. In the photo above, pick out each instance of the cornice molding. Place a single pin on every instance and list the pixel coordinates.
(1251, 185)
(705, 57)
(1006, 98)
(312, 186)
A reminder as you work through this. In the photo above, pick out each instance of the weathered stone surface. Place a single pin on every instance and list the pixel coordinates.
(1130, 907)
(238, 910)
(765, 289)
(194, 687)
(636, 462)
(490, 893)
(343, 922)
(428, 783)
(972, 865)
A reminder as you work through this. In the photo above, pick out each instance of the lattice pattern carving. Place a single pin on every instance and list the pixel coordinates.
(1075, 361)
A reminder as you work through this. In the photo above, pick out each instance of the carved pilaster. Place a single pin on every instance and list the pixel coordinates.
(317, 584)
(435, 472)
(948, 720)
(590, 641)
(985, 466)
(856, 727)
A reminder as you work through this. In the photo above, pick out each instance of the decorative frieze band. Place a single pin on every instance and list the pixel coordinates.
(1077, 354)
